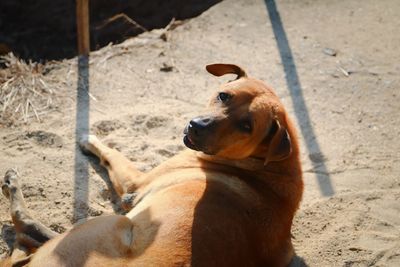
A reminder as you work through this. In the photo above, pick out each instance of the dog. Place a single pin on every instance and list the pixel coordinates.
(228, 200)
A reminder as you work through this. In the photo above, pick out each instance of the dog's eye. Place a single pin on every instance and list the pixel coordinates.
(223, 97)
(245, 126)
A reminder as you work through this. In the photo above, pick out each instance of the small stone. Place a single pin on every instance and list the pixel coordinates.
(41, 192)
(329, 51)
(166, 68)
(57, 228)
(164, 37)
(355, 249)
(94, 212)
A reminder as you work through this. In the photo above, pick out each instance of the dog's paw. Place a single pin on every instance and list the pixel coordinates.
(10, 183)
(127, 201)
(86, 143)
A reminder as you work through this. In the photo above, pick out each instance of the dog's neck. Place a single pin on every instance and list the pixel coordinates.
(250, 163)
(253, 164)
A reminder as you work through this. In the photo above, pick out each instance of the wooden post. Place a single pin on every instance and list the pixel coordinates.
(82, 23)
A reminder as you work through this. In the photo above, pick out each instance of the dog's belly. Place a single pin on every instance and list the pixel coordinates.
(180, 182)
(195, 216)
(163, 225)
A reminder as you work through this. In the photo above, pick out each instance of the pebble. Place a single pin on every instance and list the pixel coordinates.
(329, 51)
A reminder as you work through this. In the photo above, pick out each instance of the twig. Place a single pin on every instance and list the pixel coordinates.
(34, 110)
(344, 71)
(9, 99)
(91, 96)
(103, 60)
(5, 85)
(26, 110)
(45, 86)
(170, 24)
(33, 91)
(16, 110)
(39, 113)
(124, 16)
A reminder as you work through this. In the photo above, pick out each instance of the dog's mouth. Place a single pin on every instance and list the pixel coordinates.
(187, 140)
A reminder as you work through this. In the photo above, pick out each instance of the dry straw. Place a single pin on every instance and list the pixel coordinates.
(24, 92)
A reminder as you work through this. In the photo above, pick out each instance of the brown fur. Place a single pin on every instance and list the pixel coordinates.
(230, 206)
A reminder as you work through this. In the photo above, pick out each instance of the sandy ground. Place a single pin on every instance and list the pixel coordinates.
(346, 108)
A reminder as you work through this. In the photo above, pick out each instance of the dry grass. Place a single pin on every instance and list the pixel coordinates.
(24, 92)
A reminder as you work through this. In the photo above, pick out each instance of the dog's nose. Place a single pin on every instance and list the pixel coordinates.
(199, 124)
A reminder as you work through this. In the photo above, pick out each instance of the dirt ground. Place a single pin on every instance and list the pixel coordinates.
(144, 90)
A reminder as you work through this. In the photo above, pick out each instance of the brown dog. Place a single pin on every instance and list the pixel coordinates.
(229, 201)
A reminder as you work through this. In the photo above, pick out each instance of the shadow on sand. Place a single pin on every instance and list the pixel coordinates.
(81, 171)
(296, 93)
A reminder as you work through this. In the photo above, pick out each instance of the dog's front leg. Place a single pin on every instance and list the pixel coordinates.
(123, 174)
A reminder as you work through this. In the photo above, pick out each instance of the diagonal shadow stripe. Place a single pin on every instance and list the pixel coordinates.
(81, 175)
(296, 93)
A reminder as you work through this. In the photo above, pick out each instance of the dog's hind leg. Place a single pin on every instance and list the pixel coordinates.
(123, 174)
(30, 234)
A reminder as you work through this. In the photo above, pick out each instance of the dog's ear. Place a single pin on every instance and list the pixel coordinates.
(278, 142)
(222, 69)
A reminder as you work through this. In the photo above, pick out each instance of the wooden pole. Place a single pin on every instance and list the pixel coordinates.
(82, 22)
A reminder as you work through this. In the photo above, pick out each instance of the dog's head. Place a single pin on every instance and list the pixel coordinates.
(245, 118)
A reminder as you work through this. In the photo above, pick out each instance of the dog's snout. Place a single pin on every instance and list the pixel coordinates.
(198, 125)
(198, 132)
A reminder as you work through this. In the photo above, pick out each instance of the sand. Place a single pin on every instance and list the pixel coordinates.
(346, 108)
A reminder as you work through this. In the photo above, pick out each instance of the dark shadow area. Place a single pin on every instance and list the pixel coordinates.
(297, 262)
(46, 29)
(236, 226)
(296, 93)
(8, 234)
(218, 238)
(81, 177)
